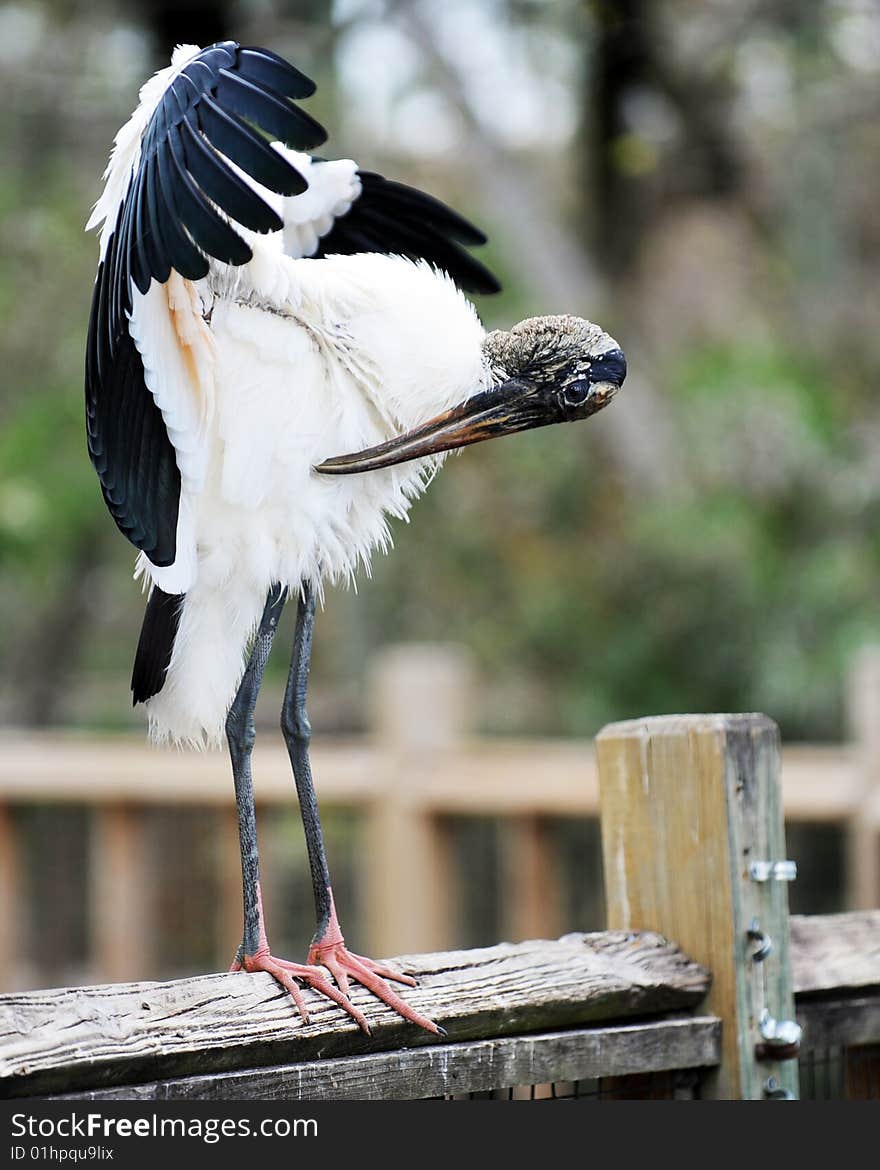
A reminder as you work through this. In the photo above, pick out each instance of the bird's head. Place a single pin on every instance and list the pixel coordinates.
(544, 370)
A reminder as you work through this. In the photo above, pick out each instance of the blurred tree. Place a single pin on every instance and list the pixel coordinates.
(185, 22)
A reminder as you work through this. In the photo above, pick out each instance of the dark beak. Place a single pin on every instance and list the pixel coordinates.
(516, 405)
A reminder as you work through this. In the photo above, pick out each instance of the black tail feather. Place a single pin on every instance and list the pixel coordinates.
(155, 644)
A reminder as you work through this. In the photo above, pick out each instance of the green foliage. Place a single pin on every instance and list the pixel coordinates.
(46, 489)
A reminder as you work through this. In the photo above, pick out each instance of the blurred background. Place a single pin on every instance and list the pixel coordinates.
(699, 177)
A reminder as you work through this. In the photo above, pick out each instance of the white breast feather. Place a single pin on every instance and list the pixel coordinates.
(313, 359)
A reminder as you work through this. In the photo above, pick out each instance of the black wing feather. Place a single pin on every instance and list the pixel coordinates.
(393, 218)
(226, 101)
(273, 72)
(206, 168)
(279, 117)
(234, 138)
(426, 208)
(155, 645)
(185, 256)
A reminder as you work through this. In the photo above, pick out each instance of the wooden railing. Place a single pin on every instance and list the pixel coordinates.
(694, 850)
(524, 1021)
(101, 1039)
(421, 765)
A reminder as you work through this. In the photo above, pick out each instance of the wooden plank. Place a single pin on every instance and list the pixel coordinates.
(838, 1022)
(406, 865)
(478, 777)
(862, 1073)
(819, 783)
(74, 1038)
(835, 953)
(421, 699)
(68, 768)
(12, 939)
(229, 906)
(531, 883)
(445, 1069)
(687, 803)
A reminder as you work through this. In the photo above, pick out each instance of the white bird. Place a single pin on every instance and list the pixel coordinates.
(256, 311)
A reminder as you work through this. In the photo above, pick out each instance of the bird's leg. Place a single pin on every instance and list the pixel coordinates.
(328, 947)
(253, 954)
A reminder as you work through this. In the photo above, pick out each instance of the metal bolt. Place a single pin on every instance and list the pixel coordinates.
(773, 871)
(773, 1091)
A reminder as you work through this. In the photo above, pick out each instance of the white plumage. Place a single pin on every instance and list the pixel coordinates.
(274, 362)
(262, 371)
(301, 359)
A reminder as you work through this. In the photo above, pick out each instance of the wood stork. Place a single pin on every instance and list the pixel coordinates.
(256, 312)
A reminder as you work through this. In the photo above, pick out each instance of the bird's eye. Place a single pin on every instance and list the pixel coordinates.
(576, 393)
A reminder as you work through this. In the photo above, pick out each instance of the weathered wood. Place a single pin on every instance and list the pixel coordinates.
(446, 1069)
(862, 1073)
(687, 803)
(838, 1022)
(835, 961)
(835, 953)
(93, 1037)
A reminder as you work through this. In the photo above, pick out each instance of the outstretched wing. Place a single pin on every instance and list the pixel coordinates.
(393, 218)
(215, 116)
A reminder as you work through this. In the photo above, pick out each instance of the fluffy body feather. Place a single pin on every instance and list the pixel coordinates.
(301, 359)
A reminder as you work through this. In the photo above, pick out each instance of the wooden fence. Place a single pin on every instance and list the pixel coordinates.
(420, 766)
(694, 850)
(525, 1021)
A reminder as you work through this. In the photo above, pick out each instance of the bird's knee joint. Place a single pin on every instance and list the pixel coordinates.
(295, 727)
(240, 733)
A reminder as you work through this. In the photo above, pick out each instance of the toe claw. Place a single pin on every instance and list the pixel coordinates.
(344, 965)
(341, 965)
(284, 972)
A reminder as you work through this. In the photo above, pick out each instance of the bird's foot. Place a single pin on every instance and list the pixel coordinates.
(287, 973)
(328, 950)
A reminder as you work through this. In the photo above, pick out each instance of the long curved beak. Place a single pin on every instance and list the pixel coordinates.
(512, 406)
(519, 404)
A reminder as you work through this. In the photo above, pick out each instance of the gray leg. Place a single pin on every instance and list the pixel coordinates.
(297, 735)
(241, 734)
(328, 945)
(253, 953)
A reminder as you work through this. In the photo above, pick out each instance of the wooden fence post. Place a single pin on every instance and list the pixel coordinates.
(12, 926)
(689, 804)
(122, 927)
(862, 844)
(228, 908)
(531, 880)
(422, 699)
